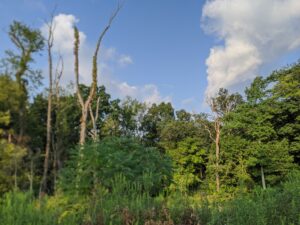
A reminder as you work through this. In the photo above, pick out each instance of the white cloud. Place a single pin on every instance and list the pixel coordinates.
(64, 33)
(125, 60)
(148, 93)
(112, 55)
(109, 57)
(254, 33)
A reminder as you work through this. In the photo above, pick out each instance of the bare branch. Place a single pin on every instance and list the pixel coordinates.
(208, 129)
(95, 57)
(17, 42)
(92, 115)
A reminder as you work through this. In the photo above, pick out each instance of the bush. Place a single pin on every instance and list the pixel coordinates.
(95, 164)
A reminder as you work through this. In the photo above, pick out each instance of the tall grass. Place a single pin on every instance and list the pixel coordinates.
(20, 209)
(130, 203)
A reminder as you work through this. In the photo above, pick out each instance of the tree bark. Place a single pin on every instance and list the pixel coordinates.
(55, 137)
(94, 118)
(217, 142)
(15, 171)
(83, 126)
(263, 181)
(31, 176)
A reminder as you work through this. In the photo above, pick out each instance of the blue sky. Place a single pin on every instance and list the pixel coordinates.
(167, 44)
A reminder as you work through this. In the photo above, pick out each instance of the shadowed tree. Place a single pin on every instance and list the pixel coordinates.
(27, 42)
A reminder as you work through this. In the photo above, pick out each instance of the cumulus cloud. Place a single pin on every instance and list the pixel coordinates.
(63, 33)
(148, 93)
(109, 57)
(253, 33)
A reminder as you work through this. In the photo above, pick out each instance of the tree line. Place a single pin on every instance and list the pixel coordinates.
(53, 139)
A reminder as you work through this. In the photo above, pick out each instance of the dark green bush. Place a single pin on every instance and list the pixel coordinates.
(95, 164)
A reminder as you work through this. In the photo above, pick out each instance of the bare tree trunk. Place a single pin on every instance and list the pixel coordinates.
(94, 131)
(263, 181)
(16, 172)
(31, 176)
(83, 126)
(49, 111)
(55, 144)
(217, 142)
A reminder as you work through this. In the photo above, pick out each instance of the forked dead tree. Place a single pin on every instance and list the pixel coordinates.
(85, 104)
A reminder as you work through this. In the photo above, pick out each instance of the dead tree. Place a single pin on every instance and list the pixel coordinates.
(213, 127)
(217, 131)
(55, 143)
(85, 104)
(220, 106)
(50, 39)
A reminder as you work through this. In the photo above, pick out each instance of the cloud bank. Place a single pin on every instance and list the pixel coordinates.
(253, 33)
(109, 59)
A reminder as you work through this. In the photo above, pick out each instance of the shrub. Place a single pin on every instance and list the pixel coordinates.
(95, 164)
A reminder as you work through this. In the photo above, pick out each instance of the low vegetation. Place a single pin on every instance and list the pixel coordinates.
(127, 202)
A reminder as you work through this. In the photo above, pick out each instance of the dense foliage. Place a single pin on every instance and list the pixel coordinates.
(94, 164)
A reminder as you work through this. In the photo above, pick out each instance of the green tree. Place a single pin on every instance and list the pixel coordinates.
(190, 158)
(285, 100)
(27, 42)
(132, 113)
(154, 120)
(11, 167)
(262, 135)
(188, 145)
(9, 104)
